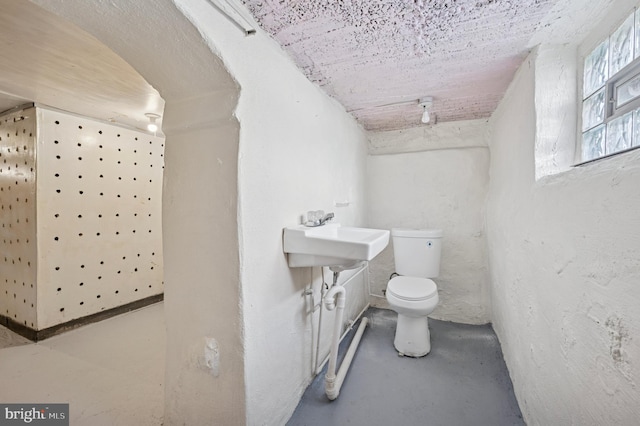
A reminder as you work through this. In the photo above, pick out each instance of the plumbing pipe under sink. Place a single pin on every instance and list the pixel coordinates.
(336, 299)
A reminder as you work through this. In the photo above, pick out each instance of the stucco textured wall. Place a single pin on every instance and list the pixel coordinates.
(564, 268)
(299, 151)
(443, 189)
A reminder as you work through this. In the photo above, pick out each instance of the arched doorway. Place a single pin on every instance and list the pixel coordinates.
(200, 235)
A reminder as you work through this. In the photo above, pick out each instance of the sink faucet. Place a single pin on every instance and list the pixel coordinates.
(326, 218)
(319, 221)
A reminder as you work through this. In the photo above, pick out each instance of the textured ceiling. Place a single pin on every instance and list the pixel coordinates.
(378, 57)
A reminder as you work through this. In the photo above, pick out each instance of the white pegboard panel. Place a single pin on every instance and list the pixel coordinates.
(99, 216)
(18, 217)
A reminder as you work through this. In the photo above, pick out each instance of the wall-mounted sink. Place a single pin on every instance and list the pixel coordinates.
(332, 245)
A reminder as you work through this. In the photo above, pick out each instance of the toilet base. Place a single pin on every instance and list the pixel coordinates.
(412, 336)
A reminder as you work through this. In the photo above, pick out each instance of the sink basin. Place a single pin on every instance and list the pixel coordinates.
(332, 245)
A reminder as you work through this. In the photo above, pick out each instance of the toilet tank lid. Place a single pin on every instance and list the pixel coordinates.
(416, 233)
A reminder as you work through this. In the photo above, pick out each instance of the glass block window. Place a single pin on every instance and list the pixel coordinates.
(611, 93)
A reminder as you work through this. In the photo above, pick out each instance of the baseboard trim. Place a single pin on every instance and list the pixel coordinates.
(38, 335)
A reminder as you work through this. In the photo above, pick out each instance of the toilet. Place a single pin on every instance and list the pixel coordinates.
(412, 294)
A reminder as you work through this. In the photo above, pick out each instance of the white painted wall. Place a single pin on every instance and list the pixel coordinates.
(438, 178)
(81, 225)
(99, 227)
(299, 151)
(18, 252)
(564, 268)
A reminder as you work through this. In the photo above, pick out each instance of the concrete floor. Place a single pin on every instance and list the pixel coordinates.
(110, 373)
(462, 381)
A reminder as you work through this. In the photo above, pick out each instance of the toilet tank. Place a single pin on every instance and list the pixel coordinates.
(417, 251)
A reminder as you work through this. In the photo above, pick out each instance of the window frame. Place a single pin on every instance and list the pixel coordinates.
(611, 85)
(629, 72)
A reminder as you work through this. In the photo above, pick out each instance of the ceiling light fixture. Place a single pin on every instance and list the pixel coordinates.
(426, 103)
(152, 126)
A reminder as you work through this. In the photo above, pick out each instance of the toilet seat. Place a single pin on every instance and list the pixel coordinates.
(412, 289)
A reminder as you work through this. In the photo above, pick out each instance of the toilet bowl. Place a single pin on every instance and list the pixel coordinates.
(413, 299)
(413, 295)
